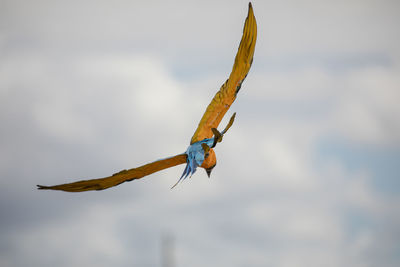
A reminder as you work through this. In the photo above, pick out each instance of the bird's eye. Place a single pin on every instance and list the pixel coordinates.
(206, 155)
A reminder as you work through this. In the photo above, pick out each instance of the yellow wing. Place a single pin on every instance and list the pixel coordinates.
(120, 177)
(227, 94)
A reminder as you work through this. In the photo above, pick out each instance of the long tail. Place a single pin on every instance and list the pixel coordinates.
(190, 169)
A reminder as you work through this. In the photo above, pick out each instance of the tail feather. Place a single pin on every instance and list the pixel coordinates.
(190, 169)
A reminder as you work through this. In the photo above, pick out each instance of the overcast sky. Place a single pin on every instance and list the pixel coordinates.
(308, 175)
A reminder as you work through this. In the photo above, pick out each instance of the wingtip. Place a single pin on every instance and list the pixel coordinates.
(251, 12)
(40, 187)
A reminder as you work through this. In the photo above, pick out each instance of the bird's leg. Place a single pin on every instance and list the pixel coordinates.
(218, 135)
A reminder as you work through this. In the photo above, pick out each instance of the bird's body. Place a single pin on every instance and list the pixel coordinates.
(200, 152)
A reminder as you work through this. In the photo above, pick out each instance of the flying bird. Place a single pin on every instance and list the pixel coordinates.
(200, 152)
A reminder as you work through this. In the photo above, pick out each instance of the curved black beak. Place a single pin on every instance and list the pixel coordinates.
(208, 171)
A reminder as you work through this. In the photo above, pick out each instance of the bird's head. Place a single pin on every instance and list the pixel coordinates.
(210, 160)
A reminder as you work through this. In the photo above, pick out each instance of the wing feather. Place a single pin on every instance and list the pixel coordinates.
(120, 177)
(227, 94)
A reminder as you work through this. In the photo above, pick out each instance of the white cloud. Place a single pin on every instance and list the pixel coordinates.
(366, 108)
(358, 105)
(93, 241)
(103, 93)
(287, 162)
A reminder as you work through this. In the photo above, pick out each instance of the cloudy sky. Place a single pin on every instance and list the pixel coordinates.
(307, 176)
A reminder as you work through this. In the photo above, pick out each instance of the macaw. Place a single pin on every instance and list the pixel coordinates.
(200, 152)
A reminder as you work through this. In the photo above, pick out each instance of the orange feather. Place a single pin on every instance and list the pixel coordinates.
(227, 94)
(120, 177)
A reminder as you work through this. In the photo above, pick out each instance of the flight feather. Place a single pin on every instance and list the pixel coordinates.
(120, 177)
(224, 98)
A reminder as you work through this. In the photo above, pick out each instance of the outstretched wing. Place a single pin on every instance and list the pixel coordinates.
(227, 94)
(120, 177)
